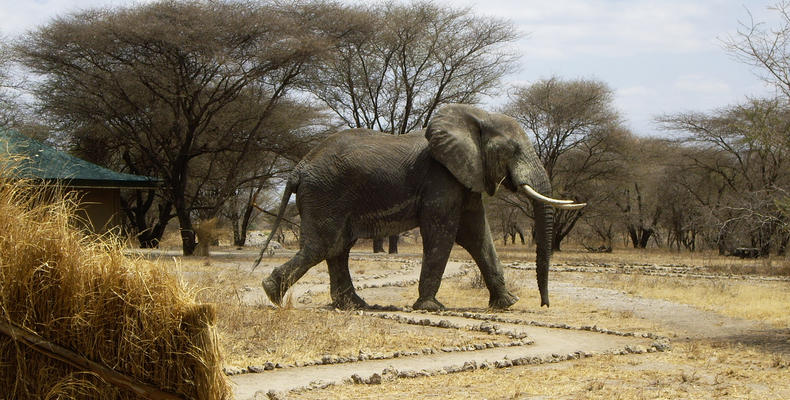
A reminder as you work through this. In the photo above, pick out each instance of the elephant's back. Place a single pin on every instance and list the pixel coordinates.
(364, 154)
(369, 179)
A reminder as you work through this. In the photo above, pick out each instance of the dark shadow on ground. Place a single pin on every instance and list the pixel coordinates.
(775, 341)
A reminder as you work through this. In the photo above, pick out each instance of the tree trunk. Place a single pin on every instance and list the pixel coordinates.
(378, 245)
(393, 244)
(241, 240)
(147, 237)
(150, 238)
(188, 242)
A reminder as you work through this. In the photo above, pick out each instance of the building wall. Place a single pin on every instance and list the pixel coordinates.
(100, 209)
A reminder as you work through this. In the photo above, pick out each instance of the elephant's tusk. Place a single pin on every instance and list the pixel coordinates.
(574, 206)
(548, 200)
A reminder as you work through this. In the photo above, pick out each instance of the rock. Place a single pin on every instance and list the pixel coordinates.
(374, 379)
(357, 379)
(255, 368)
(328, 359)
(233, 371)
(636, 349)
(661, 345)
(275, 395)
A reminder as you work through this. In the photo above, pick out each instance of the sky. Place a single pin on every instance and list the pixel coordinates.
(658, 56)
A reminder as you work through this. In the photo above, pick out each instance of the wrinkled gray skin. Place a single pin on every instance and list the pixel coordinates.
(364, 184)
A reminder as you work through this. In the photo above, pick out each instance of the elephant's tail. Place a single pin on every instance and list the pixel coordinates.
(290, 188)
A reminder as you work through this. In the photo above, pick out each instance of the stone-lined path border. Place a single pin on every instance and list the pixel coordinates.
(530, 343)
(519, 339)
(545, 343)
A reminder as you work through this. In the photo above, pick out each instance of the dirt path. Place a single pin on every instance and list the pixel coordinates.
(687, 321)
(549, 344)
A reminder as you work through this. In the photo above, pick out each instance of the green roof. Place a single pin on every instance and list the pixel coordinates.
(38, 161)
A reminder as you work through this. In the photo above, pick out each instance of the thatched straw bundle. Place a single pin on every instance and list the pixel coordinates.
(85, 295)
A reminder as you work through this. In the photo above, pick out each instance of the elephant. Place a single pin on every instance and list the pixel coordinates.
(361, 183)
(511, 230)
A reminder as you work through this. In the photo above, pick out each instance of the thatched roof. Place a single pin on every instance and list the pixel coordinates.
(37, 161)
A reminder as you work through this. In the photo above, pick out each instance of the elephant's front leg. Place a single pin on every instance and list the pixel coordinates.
(438, 237)
(341, 288)
(474, 235)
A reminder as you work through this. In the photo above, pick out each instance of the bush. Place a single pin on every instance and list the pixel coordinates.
(83, 294)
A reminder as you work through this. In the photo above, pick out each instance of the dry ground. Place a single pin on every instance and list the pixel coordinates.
(733, 343)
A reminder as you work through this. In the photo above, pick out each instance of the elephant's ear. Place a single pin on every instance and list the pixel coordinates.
(454, 140)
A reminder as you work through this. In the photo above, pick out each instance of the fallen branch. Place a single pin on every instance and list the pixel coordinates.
(52, 350)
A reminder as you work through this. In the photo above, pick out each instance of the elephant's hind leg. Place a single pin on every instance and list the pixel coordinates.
(278, 282)
(341, 288)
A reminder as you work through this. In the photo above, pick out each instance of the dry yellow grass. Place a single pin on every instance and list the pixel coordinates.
(697, 370)
(253, 334)
(84, 294)
(758, 300)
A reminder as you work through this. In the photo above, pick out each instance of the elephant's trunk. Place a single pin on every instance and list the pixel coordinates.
(528, 172)
(544, 225)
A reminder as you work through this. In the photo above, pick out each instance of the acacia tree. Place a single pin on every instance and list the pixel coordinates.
(292, 130)
(416, 57)
(577, 135)
(741, 148)
(9, 107)
(158, 77)
(768, 49)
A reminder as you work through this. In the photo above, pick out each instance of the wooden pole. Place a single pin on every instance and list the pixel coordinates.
(52, 350)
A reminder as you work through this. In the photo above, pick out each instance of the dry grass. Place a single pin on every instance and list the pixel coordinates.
(691, 371)
(254, 333)
(763, 301)
(84, 294)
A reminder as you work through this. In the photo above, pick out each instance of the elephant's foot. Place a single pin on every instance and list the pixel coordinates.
(430, 304)
(503, 301)
(349, 302)
(274, 290)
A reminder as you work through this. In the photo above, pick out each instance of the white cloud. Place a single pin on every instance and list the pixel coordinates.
(701, 85)
(635, 91)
